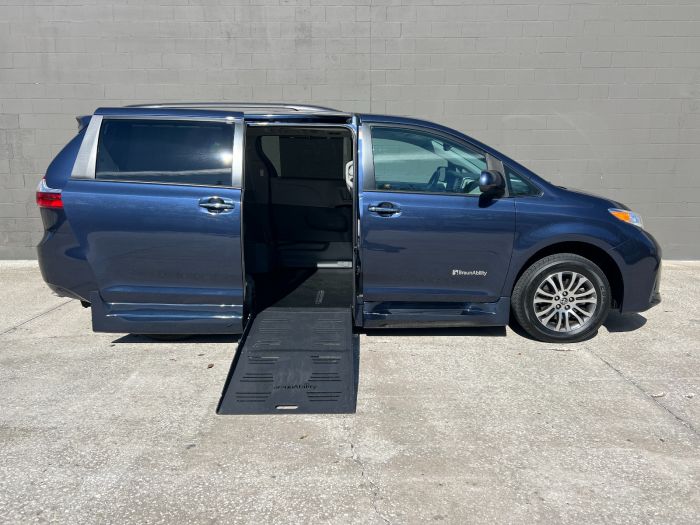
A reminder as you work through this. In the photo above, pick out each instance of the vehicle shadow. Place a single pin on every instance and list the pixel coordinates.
(184, 339)
(515, 326)
(484, 331)
(617, 322)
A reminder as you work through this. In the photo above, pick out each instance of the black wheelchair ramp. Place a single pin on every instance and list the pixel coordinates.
(294, 360)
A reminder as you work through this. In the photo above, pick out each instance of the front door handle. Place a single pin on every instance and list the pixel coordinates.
(216, 204)
(385, 209)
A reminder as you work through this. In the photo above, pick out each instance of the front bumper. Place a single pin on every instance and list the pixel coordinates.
(639, 260)
(656, 292)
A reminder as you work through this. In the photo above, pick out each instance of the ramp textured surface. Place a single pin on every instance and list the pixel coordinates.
(294, 360)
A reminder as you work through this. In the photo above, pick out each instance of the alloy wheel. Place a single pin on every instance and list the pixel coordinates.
(565, 301)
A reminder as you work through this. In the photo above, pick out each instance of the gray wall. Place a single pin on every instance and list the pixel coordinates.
(601, 95)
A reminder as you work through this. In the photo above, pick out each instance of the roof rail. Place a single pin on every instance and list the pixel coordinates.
(305, 108)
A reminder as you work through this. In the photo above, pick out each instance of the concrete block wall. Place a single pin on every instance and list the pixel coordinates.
(601, 95)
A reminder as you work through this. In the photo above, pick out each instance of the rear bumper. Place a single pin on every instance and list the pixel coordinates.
(66, 274)
(61, 259)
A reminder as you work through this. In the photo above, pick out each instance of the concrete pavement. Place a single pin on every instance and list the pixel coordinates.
(452, 426)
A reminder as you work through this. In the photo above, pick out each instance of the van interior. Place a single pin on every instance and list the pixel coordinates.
(298, 216)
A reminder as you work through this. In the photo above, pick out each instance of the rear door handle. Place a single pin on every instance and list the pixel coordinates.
(385, 209)
(216, 204)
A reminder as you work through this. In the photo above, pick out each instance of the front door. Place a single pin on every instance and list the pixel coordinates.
(429, 239)
(158, 216)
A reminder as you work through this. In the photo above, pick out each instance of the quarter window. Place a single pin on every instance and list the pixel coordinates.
(417, 161)
(182, 152)
(518, 185)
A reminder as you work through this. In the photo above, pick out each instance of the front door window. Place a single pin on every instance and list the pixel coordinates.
(407, 160)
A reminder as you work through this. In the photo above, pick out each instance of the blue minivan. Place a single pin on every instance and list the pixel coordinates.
(170, 219)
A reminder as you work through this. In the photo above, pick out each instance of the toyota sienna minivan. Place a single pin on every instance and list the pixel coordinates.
(171, 219)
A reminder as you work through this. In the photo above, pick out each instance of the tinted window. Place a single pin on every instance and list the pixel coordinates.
(165, 151)
(307, 156)
(408, 160)
(519, 186)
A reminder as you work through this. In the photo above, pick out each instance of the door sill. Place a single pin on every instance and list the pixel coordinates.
(150, 318)
(414, 315)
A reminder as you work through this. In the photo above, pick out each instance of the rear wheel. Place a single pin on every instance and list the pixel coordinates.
(561, 298)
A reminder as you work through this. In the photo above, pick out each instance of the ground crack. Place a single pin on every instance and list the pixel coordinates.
(632, 382)
(374, 488)
(40, 314)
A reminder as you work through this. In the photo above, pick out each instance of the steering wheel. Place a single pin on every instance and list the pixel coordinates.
(434, 178)
(471, 186)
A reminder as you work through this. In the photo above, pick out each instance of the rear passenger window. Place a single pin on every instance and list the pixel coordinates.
(320, 154)
(519, 186)
(181, 152)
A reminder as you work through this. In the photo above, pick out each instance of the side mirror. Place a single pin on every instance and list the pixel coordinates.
(491, 181)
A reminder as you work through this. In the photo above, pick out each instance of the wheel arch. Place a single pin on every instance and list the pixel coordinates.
(591, 252)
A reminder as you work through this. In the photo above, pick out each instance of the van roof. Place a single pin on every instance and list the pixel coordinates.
(243, 107)
(251, 110)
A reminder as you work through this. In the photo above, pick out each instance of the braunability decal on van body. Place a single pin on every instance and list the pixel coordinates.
(469, 273)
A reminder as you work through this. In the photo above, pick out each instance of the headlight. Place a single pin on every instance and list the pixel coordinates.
(627, 216)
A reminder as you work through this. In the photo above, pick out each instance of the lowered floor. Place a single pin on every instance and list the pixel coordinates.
(304, 288)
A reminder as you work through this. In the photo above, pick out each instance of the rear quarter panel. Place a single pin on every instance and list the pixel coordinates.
(58, 172)
(61, 259)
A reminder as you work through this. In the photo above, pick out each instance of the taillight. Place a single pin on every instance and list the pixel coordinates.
(47, 197)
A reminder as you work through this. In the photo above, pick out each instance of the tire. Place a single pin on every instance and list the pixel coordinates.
(558, 289)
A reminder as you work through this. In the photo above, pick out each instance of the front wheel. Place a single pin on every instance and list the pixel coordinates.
(561, 298)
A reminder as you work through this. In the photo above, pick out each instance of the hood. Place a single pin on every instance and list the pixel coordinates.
(609, 202)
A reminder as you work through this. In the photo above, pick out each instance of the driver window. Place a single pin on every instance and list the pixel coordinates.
(420, 162)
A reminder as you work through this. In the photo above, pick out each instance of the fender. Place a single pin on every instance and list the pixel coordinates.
(529, 243)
